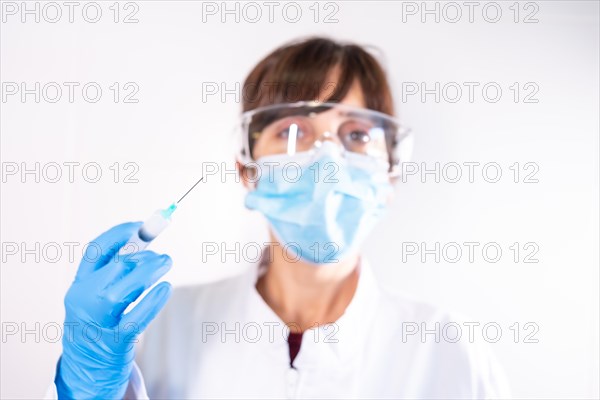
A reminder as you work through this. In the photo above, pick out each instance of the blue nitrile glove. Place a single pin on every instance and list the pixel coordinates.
(98, 339)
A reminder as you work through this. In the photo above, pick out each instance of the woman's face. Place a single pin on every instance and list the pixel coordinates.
(330, 121)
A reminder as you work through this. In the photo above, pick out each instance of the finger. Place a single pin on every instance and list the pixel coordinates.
(100, 250)
(147, 309)
(116, 269)
(132, 285)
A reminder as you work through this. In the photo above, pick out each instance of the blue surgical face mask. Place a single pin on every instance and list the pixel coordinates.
(321, 206)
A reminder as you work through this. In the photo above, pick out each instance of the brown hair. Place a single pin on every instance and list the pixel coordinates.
(298, 71)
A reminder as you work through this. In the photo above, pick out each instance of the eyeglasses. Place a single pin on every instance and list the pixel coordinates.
(290, 128)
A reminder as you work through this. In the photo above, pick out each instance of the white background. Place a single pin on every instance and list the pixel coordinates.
(172, 130)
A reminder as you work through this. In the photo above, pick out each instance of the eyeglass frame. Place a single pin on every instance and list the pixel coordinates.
(398, 152)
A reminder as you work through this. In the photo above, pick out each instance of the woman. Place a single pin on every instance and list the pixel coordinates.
(320, 150)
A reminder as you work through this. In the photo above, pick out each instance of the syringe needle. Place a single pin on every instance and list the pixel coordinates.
(152, 227)
(186, 193)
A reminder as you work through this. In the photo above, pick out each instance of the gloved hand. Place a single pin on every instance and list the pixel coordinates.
(98, 339)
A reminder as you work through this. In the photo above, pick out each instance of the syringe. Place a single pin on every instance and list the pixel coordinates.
(152, 227)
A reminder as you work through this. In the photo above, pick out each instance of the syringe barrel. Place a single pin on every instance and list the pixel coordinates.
(149, 230)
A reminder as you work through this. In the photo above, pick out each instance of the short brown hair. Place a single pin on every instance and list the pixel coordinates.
(297, 71)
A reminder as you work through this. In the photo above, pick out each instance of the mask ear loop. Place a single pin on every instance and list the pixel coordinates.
(250, 173)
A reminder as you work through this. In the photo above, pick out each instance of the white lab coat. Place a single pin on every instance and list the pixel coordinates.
(221, 340)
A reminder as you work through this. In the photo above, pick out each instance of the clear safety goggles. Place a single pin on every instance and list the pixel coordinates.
(290, 128)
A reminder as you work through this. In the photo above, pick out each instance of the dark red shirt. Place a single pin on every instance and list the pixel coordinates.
(294, 341)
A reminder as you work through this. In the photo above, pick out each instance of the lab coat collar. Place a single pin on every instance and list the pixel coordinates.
(339, 341)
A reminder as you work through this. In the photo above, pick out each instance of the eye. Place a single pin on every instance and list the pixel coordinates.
(355, 133)
(359, 136)
(284, 128)
(285, 133)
